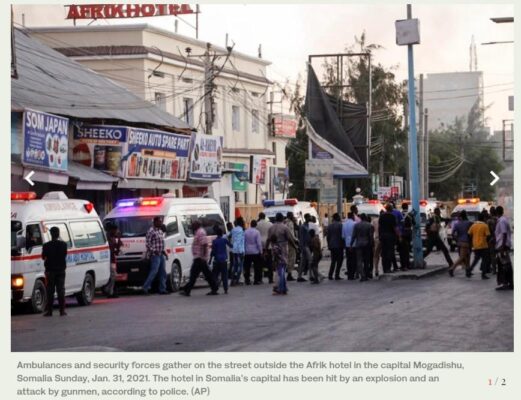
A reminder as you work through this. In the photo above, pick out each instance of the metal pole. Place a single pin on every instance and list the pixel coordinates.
(413, 161)
(504, 139)
(423, 195)
(369, 111)
(197, 21)
(426, 147)
(208, 72)
(339, 209)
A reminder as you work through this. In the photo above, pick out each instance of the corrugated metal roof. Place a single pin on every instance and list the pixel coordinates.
(49, 81)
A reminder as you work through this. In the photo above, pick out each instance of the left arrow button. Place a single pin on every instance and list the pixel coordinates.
(28, 178)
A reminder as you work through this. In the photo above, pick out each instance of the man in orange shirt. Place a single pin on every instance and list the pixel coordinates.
(479, 234)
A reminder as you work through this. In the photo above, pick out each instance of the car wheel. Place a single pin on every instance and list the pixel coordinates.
(39, 297)
(175, 277)
(86, 295)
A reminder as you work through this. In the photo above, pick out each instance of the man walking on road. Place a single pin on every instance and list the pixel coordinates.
(347, 232)
(155, 244)
(316, 255)
(284, 238)
(200, 263)
(305, 253)
(460, 233)
(253, 252)
(492, 222)
(389, 235)
(219, 254)
(237, 250)
(362, 240)
(433, 237)
(480, 234)
(505, 274)
(114, 248)
(336, 247)
(406, 232)
(263, 226)
(291, 223)
(54, 255)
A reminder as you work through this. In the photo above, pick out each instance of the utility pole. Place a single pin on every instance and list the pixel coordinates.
(407, 33)
(208, 90)
(426, 148)
(210, 73)
(421, 133)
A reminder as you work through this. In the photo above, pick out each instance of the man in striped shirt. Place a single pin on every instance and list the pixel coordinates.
(200, 263)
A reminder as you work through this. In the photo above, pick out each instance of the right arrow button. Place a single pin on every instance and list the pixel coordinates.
(496, 178)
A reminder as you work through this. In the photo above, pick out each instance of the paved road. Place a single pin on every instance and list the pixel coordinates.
(432, 314)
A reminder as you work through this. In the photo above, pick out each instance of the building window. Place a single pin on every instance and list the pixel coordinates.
(215, 121)
(255, 121)
(274, 147)
(236, 118)
(160, 100)
(255, 94)
(188, 111)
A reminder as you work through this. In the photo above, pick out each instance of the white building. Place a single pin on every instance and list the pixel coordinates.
(451, 95)
(154, 64)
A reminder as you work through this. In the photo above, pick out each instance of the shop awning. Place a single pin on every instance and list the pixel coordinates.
(149, 184)
(89, 178)
(45, 176)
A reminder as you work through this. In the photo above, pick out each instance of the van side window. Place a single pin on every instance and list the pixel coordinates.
(186, 221)
(172, 227)
(87, 233)
(64, 232)
(33, 236)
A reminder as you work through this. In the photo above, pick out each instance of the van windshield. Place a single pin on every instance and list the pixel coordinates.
(209, 222)
(472, 216)
(16, 226)
(130, 226)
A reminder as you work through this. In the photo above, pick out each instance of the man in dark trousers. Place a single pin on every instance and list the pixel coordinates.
(433, 227)
(336, 246)
(389, 234)
(362, 242)
(200, 264)
(54, 254)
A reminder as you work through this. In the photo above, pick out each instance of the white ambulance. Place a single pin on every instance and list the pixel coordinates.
(134, 217)
(88, 257)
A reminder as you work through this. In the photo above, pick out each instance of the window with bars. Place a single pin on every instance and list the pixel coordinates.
(188, 110)
(255, 121)
(236, 118)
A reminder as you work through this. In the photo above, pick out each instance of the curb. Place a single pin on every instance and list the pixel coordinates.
(415, 273)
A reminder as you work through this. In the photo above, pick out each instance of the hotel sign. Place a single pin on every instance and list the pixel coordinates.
(106, 11)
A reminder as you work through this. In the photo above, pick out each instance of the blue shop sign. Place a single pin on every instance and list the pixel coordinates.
(45, 140)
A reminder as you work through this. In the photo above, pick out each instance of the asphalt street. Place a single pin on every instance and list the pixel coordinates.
(436, 313)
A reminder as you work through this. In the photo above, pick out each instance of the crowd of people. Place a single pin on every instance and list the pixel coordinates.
(268, 248)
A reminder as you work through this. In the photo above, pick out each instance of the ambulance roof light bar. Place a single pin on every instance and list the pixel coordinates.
(23, 196)
(142, 201)
(473, 200)
(287, 202)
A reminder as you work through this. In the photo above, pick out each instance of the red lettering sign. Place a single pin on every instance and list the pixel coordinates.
(106, 11)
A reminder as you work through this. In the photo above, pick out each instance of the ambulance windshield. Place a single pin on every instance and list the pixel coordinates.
(131, 226)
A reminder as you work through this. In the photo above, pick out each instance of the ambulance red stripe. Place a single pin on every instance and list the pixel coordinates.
(37, 256)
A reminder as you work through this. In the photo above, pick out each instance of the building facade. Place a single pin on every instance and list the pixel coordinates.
(172, 71)
(451, 95)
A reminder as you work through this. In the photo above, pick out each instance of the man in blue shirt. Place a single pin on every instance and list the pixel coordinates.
(237, 250)
(219, 255)
(347, 232)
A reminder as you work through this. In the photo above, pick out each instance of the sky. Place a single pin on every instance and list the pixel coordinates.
(290, 32)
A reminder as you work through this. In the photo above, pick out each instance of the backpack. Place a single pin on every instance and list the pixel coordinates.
(408, 223)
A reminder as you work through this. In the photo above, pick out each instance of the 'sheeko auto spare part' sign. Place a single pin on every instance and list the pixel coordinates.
(45, 140)
(156, 155)
(108, 11)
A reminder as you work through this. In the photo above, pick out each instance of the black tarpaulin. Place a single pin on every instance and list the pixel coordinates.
(348, 134)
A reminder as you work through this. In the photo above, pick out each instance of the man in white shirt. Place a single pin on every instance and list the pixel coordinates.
(263, 226)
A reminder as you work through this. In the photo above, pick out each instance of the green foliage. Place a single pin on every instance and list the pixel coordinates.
(470, 142)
